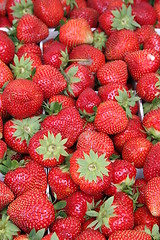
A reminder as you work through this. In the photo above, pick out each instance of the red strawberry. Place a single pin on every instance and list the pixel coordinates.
(152, 191)
(104, 120)
(3, 149)
(60, 182)
(49, 236)
(90, 235)
(1, 127)
(90, 170)
(120, 43)
(130, 234)
(114, 71)
(98, 141)
(141, 62)
(89, 56)
(66, 228)
(89, 14)
(63, 100)
(156, 8)
(22, 98)
(50, 12)
(4, 22)
(99, 5)
(30, 29)
(49, 80)
(29, 48)
(105, 22)
(3, 113)
(6, 195)
(153, 41)
(68, 122)
(31, 210)
(7, 48)
(144, 32)
(71, 4)
(3, 7)
(151, 167)
(140, 186)
(68, 32)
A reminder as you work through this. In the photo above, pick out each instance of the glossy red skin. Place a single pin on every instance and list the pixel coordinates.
(88, 125)
(1, 127)
(3, 149)
(123, 198)
(151, 167)
(91, 234)
(86, 186)
(7, 48)
(77, 205)
(61, 183)
(120, 170)
(98, 141)
(142, 216)
(157, 7)
(140, 185)
(144, 32)
(69, 227)
(29, 48)
(105, 21)
(66, 101)
(115, 4)
(4, 22)
(6, 197)
(153, 41)
(49, 80)
(67, 8)
(99, 5)
(130, 234)
(146, 88)
(68, 122)
(31, 210)
(151, 120)
(90, 53)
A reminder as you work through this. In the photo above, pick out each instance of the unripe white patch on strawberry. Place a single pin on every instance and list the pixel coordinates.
(151, 57)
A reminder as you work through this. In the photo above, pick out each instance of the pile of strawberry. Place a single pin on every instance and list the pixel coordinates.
(70, 120)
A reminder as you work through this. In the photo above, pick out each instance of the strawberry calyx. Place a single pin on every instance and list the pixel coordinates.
(123, 19)
(155, 234)
(153, 134)
(71, 3)
(99, 40)
(26, 128)
(52, 108)
(7, 228)
(33, 235)
(10, 165)
(114, 157)
(155, 104)
(59, 209)
(105, 213)
(90, 117)
(52, 146)
(21, 8)
(126, 185)
(127, 99)
(93, 166)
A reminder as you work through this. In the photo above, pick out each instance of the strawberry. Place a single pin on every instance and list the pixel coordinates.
(29, 48)
(68, 5)
(90, 235)
(104, 120)
(50, 236)
(60, 182)
(50, 12)
(69, 227)
(7, 46)
(99, 5)
(3, 149)
(88, 125)
(130, 234)
(134, 129)
(153, 41)
(144, 13)
(141, 62)
(49, 80)
(6, 197)
(152, 191)
(1, 127)
(30, 29)
(105, 22)
(68, 32)
(89, 14)
(3, 113)
(68, 122)
(3, 7)
(22, 98)
(144, 32)
(142, 216)
(99, 142)
(156, 8)
(89, 56)
(140, 186)
(4, 22)
(127, 43)
(148, 86)
(114, 71)
(63, 100)
(136, 150)
(31, 210)
(151, 165)
(90, 170)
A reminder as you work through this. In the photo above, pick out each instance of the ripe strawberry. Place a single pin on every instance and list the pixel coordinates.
(90, 235)
(104, 120)
(144, 13)
(6, 196)
(60, 182)
(50, 12)
(114, 71)
(22, 98)
(105, 22)
(1, 127)
(156, 8)
(89, 14)
(151, 166)
(88, 125)
(49, 80)
(7, 46)
(153, 42)
(3, 7)
(63, 100)
(142, 216)
(99, 5)
(71, 4)
(29, 48)
(4, 22)
(152, 191)
(67, 122)
(90, 170)
(31, 210)
(30, 29)
(144, 32)
(148, 86)
(120, 43)
(3, 113)
(98, 141)
(130, 234)
(140, 186)
(89, 56)
(3, 149)
(69, 227)
(141, 62)
(68, 32)
(50, 236)
(134, 129)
